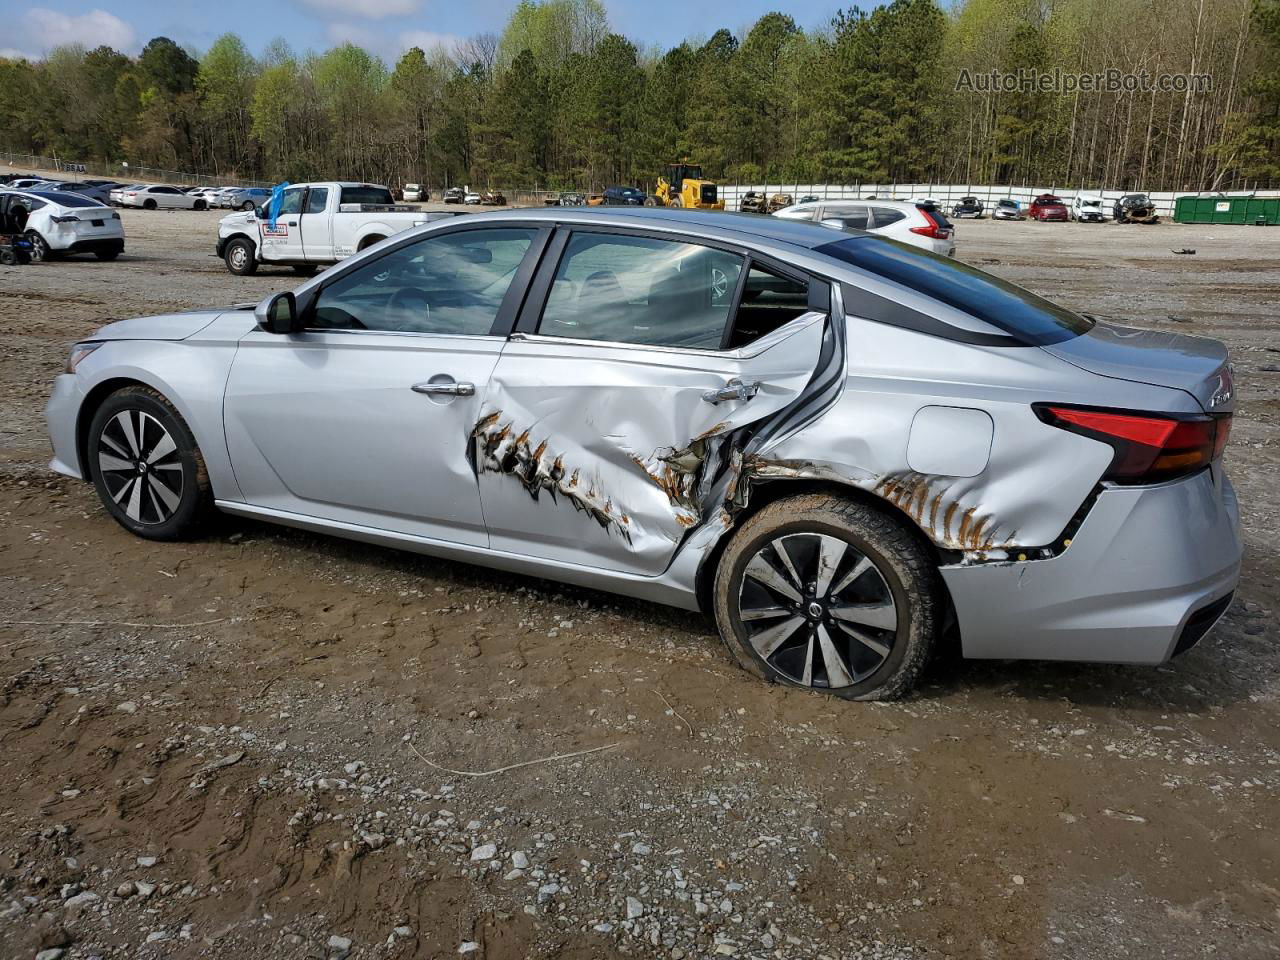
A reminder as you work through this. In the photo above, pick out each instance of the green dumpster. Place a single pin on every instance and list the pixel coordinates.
(1250, 210)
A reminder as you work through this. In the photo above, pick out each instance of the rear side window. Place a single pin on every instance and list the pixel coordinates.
(641, 290)
(769, 300)
(884, 217)
(1006, 306)
(365, 195)
(853, 214)
(317, 199)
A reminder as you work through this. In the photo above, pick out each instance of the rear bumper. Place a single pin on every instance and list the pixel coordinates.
(1143, 579)
(97, 244)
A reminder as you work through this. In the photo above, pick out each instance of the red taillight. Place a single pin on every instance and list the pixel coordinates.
(1148, 447)
(933, 229)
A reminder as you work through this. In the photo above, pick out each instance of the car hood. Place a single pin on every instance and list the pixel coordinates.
(166, 326)
(1197, 365)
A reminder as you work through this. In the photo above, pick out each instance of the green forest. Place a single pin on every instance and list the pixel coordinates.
(558, 100)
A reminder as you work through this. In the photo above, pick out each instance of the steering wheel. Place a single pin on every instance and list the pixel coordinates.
(408, 309)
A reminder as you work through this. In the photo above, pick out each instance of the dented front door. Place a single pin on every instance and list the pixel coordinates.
(591, 453)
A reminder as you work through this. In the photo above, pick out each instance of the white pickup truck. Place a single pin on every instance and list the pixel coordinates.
(318, 224)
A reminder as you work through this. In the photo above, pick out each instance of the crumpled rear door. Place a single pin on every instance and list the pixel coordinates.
(596, 453)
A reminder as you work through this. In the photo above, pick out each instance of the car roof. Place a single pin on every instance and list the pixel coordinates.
(704, 223)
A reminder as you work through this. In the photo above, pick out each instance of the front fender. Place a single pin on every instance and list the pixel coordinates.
(190, 375)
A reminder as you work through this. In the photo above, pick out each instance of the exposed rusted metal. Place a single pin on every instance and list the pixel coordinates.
(501, 452)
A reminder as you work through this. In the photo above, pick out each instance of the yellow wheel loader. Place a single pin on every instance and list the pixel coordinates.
(683, 186)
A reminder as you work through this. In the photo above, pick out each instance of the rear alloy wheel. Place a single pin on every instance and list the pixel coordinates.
(247, 205)
(829, 594)
(146, 466)
(149, 205)
(39, 248)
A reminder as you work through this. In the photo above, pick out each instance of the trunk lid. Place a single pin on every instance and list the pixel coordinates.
(1196, 365)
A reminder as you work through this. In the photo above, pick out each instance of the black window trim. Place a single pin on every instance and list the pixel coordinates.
(535, 302)
(503, 322)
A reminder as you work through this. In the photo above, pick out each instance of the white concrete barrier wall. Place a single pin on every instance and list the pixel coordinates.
(949, 194)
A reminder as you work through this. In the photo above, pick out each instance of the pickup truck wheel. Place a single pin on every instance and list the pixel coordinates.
(239, 257)
(369, 242)
(305, 269)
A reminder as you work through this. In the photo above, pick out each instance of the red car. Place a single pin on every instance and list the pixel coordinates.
(1048, 207)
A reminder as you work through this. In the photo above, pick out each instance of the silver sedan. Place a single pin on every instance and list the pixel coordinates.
(838, 446)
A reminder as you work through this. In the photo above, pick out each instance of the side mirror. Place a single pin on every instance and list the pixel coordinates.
(278, 313)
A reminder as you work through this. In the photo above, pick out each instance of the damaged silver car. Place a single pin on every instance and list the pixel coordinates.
(840, 447)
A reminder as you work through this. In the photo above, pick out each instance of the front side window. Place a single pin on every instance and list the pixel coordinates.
(291, 202)
(447, 284)
(316, 199)
(641, 290)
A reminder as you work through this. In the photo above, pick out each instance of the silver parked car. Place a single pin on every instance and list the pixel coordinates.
(836, 444)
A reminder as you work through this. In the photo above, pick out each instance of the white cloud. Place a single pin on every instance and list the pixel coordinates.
(389, 46)
(9, 53)
(377, 9)
(44, 29)
(428, 40)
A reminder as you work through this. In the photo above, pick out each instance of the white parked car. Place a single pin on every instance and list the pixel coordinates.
(62, 223)
(1088, 207)
(415, 193)
(917, 224)
(161, 196)
(116, 196)
(471, 197)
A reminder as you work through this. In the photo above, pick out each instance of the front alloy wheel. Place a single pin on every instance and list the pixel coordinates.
(829, 594)
(146, 466)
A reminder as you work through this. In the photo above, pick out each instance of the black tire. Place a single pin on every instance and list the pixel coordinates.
(305, 269)
(106, 254)
(200, 205)
(368, 242)
(168, 498)
(39, 248)
(239, 257)
(148, 204)
(247, 205)
(8, 257)
(886, 662)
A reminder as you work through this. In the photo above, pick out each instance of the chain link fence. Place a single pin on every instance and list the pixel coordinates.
(125, 173)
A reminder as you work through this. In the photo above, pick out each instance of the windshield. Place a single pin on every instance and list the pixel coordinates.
(1019, 312)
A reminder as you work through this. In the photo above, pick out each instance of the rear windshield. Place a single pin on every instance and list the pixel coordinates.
(1031, 319)
(939, 217)
(366, 195)
(67, 199)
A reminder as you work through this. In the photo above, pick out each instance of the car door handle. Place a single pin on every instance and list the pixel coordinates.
(447, 389)
(292, 223)
(735, 389)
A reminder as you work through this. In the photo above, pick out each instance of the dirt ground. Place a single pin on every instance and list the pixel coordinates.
(236, 747)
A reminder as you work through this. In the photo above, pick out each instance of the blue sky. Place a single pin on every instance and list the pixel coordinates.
(386, 27)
